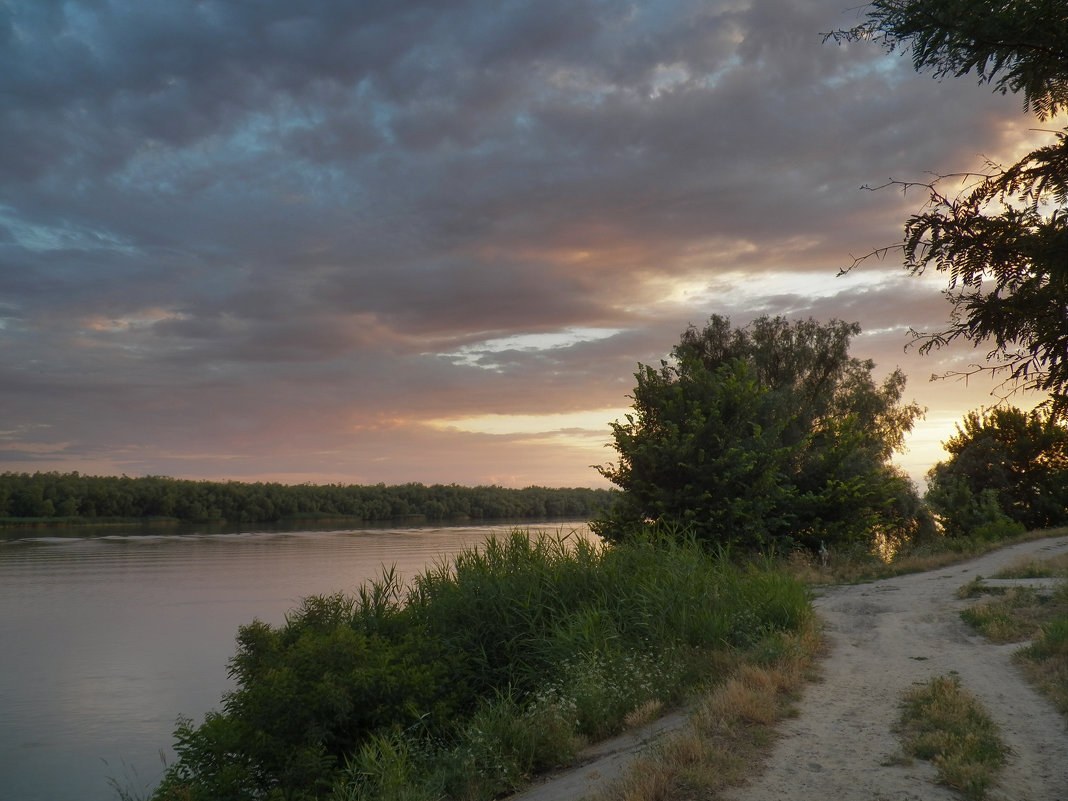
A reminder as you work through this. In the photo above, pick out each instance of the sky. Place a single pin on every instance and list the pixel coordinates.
(381, 241)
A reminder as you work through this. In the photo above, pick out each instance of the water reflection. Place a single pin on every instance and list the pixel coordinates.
(117, 633)
(166, 528)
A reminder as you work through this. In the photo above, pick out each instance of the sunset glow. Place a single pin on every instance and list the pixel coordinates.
(432, 242)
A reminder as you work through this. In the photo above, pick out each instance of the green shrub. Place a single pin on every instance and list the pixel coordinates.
(487, 669)
(998, 530)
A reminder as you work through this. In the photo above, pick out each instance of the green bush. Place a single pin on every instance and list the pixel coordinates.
(485, 670)
(766, 436)
(998, 530)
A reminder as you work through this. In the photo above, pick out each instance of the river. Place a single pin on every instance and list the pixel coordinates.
(106, 640)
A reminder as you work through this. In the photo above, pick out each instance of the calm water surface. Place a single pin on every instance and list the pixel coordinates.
(105, 640)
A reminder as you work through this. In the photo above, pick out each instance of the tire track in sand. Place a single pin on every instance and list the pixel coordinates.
(883, 638)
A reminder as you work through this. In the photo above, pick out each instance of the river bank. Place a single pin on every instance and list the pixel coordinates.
(120, 633)
(840, 739)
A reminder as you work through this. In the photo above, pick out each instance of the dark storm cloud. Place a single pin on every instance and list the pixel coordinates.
(244, 237)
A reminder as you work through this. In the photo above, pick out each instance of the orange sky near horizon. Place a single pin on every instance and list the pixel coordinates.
(361, 244)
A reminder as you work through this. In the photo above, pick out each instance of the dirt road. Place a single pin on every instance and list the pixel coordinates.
(885, 637)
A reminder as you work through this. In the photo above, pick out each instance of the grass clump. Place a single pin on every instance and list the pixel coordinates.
(1012, 615)
(1045, 661)
(481, 672)
(1020, 614)
(944, 724)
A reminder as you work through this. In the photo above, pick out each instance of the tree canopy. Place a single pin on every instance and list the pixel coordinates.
(1003, 239)
(1016, 46)
(766, 435)
(1004, 464)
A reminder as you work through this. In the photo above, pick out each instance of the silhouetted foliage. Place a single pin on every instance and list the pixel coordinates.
(78, 498)
(767, 435)
(1015, 46)
(1005, 465)
(1003, 239)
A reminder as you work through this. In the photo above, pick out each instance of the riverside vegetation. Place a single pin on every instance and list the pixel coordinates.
(752, 449)
(507, 660)
(480, 672)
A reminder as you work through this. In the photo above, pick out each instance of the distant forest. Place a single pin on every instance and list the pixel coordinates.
(71, 497)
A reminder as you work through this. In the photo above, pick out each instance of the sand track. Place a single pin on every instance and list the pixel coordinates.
(884, 637)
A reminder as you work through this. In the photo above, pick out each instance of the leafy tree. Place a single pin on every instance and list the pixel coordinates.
(1003, 240)
(1004, 465)
(771, 434)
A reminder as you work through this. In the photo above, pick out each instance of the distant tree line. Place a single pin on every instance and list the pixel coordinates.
(81, 498)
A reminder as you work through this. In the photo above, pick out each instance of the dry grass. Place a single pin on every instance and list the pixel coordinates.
(1016, 615)
(946, 725)
(744, 702)
(730, 728)
(858, 567)
(1030, 567)
(1022, 614)
(643, 713)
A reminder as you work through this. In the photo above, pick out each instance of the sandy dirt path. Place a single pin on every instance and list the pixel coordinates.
(885, 637)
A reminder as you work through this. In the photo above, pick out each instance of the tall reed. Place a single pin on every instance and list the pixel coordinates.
(486, 668)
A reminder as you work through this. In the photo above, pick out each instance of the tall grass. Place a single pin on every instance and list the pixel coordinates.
(525, 610)
(484, 670)
(566, 640)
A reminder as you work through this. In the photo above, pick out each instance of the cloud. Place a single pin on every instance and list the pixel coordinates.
(276, 239)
